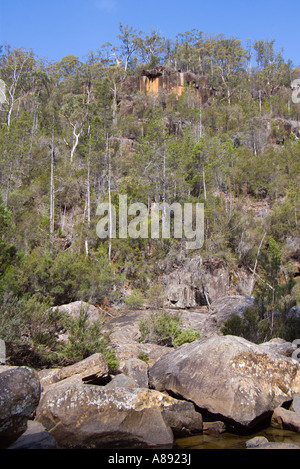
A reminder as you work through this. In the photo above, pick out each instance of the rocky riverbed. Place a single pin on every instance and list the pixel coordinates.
(219, 391)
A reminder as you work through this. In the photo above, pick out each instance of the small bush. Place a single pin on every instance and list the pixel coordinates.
(28, 328)
(247, 326)
(135, 300)
(164, 329)
(143, 356)
(87, 339)
(257, 330)
(156, 296)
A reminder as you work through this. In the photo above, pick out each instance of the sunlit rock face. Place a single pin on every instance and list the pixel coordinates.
(229, 377)
(88, 416)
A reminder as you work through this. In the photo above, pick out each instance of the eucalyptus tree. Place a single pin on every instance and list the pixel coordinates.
(17, 68)
(187, 51)
(272, 72)
(152, 49)
(125, 54)
(75, 113)
(229, 58)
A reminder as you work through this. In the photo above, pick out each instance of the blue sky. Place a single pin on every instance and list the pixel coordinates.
(53, 29)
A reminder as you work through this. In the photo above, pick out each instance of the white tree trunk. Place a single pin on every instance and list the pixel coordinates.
(76, 136)
(88, 197)
(52, 187)
(110, 216)
(204, 183)
(115, 105)
(252, 282)
(12, 90)
(109, 200)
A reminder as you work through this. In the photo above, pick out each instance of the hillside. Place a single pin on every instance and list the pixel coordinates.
(198, 120)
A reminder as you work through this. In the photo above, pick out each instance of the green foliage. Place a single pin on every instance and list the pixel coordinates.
(246, 326)
(156, 296)
(143, 356)
(85, 339)
(234, 151)
(61, 279)
(252, 327)
(271, 289)
(28, 327)
(164, 329)
(135, 300)
(7, 252)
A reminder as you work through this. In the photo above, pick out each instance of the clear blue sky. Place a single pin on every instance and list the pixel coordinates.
(53, 29)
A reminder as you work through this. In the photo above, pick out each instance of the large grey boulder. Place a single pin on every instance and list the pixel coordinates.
(35, 437)
(223, 308)
(229, 377)
(286, 419)
(19, 397)
(87, 416)
(72, 310)
(280, 346)
(137, 370)
(295, 407)
(84, 416)
(260, 442)
(182, 417)
(121, 381)
(90, 369)
(294, 313)
(128, 351)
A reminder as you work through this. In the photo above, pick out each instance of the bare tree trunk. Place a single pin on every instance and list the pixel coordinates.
(88, 196)
(9, 113)
(63, 219)
(115, 105)
(260, 101)
(52, 187)
(75, 141)
(228, 96)
(12, 89)
(252, 282)
(109, 201)
(200, 125)
(204, 182)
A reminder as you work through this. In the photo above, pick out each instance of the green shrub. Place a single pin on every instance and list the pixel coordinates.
(87, 339)
(164, 329)
(156, 296)
(143, 356)
(251, 327)
(233, 326)
(186, 336)
(63, 277)
(135, 300)
(28, 327)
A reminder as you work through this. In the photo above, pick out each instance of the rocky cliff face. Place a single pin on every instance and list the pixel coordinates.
(154, 81)
(197, 282)
(159, 79)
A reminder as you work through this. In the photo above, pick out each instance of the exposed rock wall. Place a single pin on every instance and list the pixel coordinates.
(197, 283)
(159, 79)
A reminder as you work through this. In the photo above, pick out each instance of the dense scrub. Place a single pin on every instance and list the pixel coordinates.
(69, 139)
